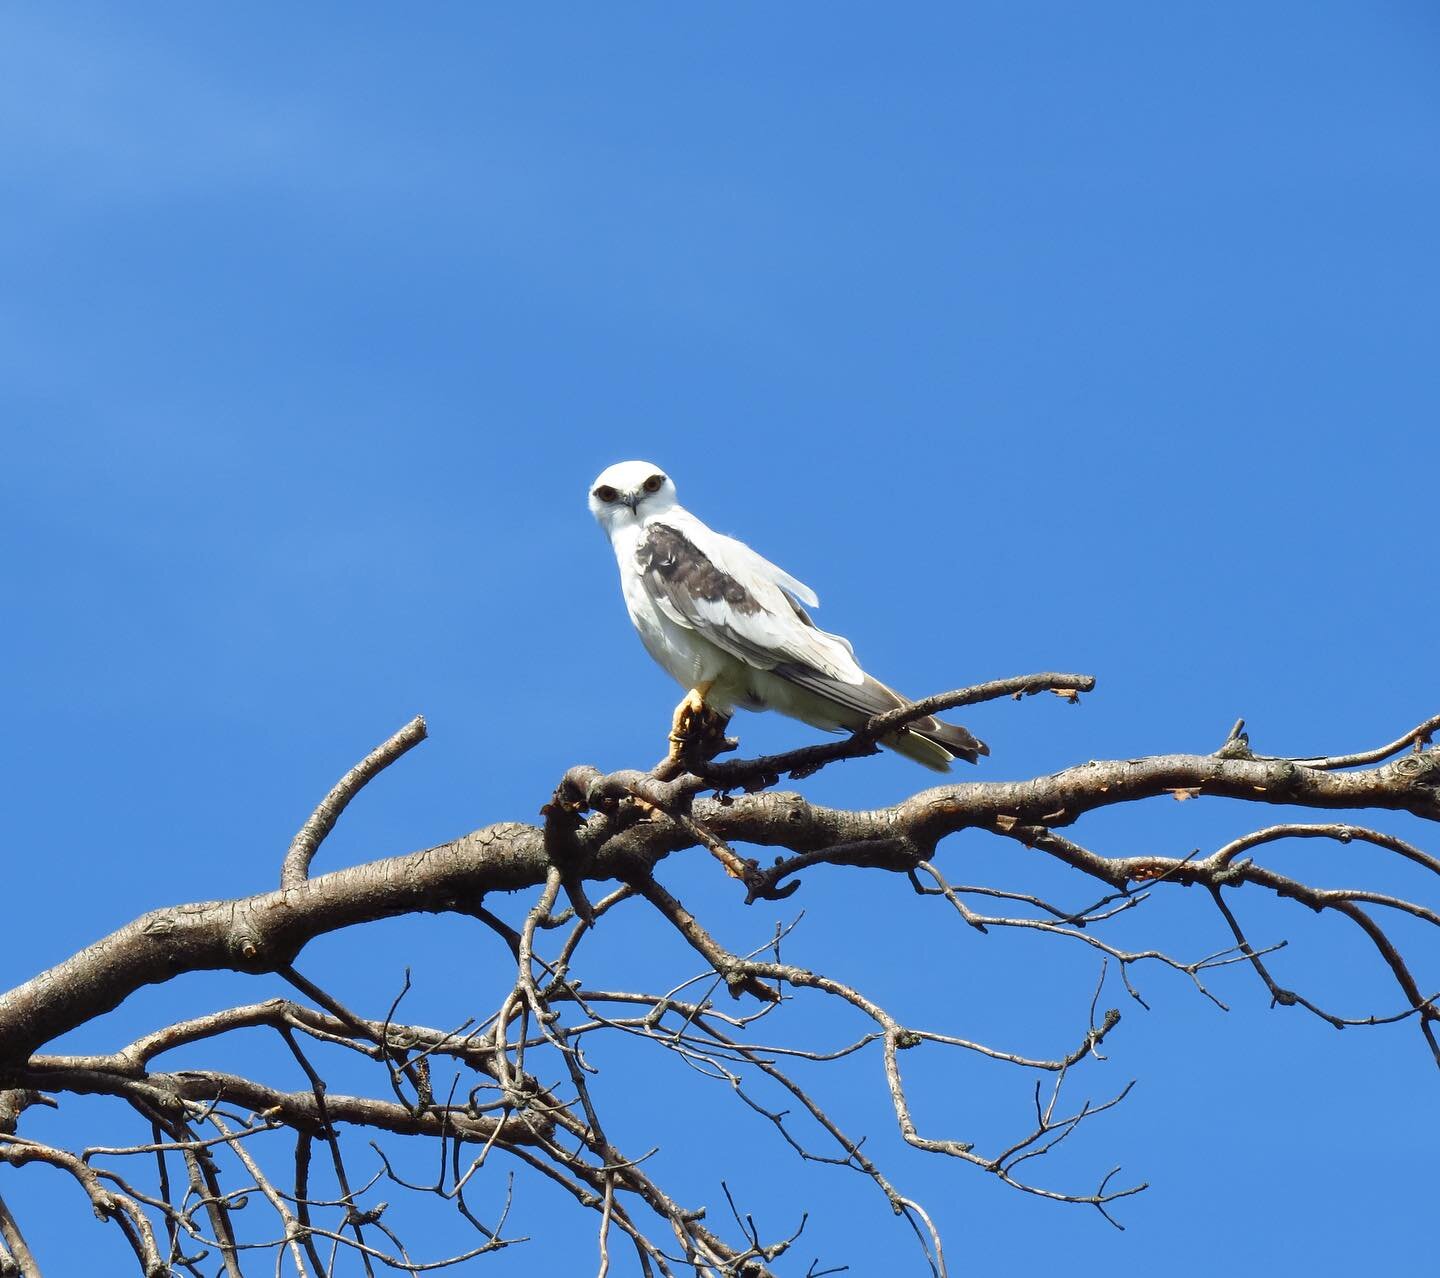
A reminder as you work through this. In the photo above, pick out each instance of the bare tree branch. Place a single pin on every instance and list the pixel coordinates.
(311, 835)
(15, 1254)
(515, 1083)
(263, 932)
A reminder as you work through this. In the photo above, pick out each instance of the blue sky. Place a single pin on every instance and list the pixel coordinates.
(1033, 336)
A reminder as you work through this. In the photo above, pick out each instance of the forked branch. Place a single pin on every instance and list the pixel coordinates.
(509, 1086)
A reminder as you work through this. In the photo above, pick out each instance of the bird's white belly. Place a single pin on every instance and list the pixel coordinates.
(689, 659)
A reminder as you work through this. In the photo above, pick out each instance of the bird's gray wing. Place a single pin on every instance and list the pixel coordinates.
(722, 590)
(870, 697)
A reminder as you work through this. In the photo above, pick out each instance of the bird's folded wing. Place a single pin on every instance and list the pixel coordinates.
(741, 603)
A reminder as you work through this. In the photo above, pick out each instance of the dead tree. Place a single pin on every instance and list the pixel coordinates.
(203, 1187)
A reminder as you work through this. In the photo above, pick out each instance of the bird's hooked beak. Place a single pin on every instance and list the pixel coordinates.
(630, 499)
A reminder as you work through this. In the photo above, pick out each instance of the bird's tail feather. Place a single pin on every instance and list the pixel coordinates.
(929, 741)
(924, 751)
(949, 739)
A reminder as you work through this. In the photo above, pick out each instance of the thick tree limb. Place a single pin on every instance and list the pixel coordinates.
(623, 826)
(264, 932)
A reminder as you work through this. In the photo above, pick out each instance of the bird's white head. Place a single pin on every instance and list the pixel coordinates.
(629, 493)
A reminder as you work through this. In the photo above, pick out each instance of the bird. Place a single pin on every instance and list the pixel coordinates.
(732, 628)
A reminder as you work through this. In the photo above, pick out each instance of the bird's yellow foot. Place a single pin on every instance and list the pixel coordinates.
(689, 714)
(695, 727)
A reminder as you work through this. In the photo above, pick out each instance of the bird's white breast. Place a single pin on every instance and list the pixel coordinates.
(687, 657)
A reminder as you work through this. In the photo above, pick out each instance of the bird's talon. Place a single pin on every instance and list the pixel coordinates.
(693, 722)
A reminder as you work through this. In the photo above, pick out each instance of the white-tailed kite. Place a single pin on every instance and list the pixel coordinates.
(731, 628)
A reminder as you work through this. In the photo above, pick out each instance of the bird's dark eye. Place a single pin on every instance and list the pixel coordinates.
(652, 485)
(606, 493)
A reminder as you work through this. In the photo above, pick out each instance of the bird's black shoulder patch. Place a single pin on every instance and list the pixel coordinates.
(675, 559)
